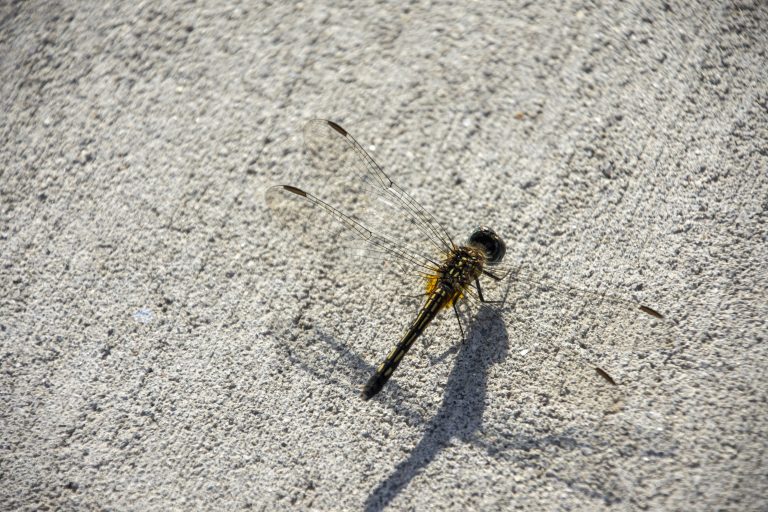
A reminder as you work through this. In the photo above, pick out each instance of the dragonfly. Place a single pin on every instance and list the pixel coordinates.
(351, 194)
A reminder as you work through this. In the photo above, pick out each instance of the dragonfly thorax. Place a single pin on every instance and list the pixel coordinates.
(458, 270)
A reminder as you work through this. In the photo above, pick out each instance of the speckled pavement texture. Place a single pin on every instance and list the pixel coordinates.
(166, 345)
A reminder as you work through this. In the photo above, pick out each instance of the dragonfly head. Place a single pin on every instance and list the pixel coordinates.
(492, 245)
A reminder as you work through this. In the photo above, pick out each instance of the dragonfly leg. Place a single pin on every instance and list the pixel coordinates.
(458, 319)
(480, 290)
(492, 275)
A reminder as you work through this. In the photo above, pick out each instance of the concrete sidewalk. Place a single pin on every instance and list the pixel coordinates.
(166, 345)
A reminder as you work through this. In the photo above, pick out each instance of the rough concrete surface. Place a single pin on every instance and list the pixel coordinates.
(167, 345)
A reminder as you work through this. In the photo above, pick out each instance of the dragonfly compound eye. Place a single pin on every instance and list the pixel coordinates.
(491, 243)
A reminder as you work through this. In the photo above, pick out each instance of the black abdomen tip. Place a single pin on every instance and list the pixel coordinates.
(372, 387)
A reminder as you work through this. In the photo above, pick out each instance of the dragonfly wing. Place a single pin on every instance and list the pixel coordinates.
(303, 206)
(332, 143)
(585, 348)
(344, 197)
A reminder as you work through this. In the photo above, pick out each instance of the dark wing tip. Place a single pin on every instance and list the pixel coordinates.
(338, 128)
(652, 312)
(604, 374)
(295, 190)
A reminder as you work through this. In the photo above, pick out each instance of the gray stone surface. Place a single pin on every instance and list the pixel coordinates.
(165, 345)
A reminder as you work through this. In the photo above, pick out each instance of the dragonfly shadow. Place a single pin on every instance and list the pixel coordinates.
(343, 371)
(460, 418)
(460, 415)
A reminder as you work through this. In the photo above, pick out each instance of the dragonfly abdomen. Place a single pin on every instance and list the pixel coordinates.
(384, 371)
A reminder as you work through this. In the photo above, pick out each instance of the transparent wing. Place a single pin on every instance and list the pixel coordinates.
(576, 346)
(344, 194)
(528, 277)
(570, 345)
(331, 143)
